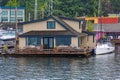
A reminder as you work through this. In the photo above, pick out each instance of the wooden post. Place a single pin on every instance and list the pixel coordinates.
(117, 49)
(16, 31)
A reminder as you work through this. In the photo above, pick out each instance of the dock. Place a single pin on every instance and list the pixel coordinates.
(62, 51)
(116, 42)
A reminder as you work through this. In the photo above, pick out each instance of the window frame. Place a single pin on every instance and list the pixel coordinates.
(49, 24)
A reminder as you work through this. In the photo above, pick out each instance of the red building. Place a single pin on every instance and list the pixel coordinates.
(108, 20)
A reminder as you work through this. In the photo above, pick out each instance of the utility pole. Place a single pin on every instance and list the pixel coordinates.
(100, 14)
(50, 12)
(29, 17)
(0, 14)
(16, 30)
(51, 7)
(26, 16)
(35, 10)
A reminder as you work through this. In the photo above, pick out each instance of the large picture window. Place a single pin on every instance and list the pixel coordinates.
(66, 40)
(36, 41)
(4, 19)
(51, 25)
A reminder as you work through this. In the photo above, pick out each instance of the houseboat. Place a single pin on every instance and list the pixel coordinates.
(54, 32)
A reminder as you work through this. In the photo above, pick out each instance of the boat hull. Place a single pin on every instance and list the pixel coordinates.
(104, 49)
(100, 51)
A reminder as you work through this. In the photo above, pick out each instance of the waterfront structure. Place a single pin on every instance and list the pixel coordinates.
(56, 31)
(112, 31)
(7, 14)
(103, 20)
(110, 26)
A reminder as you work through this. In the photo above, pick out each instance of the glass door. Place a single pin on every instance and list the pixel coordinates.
(48, 42)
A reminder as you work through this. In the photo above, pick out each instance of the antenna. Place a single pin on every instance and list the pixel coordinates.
(29, 17)
(99, 8)
(99, 14)
(35, 12)
(0, 14)
(51, 7)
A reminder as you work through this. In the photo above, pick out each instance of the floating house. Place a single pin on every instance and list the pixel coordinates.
(55, 31)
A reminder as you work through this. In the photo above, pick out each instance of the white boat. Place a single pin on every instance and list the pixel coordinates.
(2, 32)
(104, 48)
(7, 38)
(7, 35)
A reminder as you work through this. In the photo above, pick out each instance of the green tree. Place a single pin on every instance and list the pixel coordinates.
(90, 26)
(115, 5)
(12, 3)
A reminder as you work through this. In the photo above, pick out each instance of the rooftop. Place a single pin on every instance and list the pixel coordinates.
(11, 7)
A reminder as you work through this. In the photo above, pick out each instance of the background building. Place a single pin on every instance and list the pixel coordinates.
(7, 14)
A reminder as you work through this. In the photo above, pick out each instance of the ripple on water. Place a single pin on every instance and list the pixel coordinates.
(103, 67)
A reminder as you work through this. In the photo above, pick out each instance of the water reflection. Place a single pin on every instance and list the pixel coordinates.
(102, 67)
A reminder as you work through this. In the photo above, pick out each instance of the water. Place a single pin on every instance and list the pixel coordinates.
(102, 67)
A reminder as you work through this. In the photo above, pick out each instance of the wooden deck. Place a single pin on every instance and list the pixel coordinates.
(64, 51)
(115, 41)
(56, 51)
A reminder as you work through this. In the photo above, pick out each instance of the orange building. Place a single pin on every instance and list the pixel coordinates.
(103, 20)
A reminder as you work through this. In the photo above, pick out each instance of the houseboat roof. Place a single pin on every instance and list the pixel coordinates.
(53, 17)
(47, 33)
(62, 23)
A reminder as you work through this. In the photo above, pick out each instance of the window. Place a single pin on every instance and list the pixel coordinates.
(79, 41)
(66, 40)
(51, 25)
(4, 19)
(80, 24)
(12, 13)
(12, 19)
(20, 19)
(4, 13)
(33, 41)
(20, 13)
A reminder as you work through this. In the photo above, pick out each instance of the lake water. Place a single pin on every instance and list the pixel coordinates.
(101, 67)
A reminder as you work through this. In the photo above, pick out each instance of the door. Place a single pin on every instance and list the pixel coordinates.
(48, 42)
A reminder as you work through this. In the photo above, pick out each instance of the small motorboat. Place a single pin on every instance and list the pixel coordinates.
(104, 48)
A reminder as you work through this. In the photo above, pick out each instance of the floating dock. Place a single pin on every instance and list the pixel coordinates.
(49, 52)
(116, 42)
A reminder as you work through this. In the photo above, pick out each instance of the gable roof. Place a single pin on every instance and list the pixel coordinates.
(65, 25)
(11, 7)
(108, 27)
(51, 16)
(60, 21)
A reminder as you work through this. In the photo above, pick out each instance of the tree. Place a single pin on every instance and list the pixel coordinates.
(90, 26)
(3, 2)
(12, 3)
(106, 7)
(115, 5)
